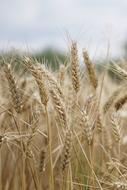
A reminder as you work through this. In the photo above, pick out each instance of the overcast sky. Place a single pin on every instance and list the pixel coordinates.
(36, 24)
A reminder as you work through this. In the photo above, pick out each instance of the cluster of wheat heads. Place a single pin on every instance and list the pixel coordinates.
(63, 130)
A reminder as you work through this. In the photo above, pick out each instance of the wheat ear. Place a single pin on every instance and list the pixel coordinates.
(39, 79)
(15, 93)
(87, 127)
(66, 152)
(99, 123)
(42, 160)
(115, 128)
(121, 72)
(90, 70)
(75, 67)
(62, 71)
(52, 83)
(111, 99)
(120, 102)
(59, 106)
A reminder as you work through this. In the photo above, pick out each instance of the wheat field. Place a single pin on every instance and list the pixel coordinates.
(63, 130)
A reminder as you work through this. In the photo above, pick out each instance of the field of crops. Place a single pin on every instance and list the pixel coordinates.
(63, 129)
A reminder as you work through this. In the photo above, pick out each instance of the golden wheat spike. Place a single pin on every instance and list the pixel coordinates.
(115, 128)
(87, 127)
(75, 67)
(66, 153)
(119, 71)
(90, 70)
(15, 92)
(39, 79)
(60, 109)
(120, 102)
(112, 99)
(42, 160)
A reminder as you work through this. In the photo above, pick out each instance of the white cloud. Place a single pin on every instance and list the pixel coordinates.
(45, 22)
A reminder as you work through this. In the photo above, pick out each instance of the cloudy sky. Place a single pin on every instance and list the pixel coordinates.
(35, 24)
